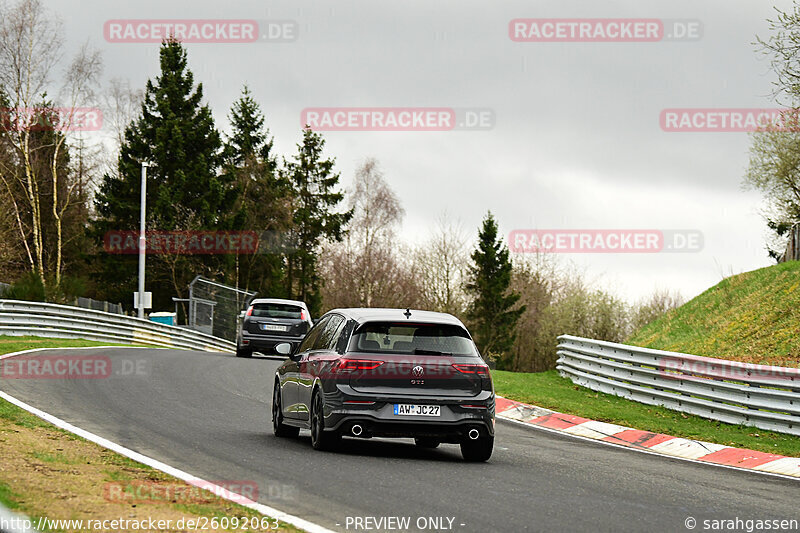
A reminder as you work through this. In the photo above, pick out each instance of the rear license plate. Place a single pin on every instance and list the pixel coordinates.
(404, 409)
(270, 327)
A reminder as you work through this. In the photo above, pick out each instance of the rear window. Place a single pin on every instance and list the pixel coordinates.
(418, 339)
(276, 310)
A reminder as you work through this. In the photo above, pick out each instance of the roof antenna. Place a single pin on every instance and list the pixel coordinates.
(407, 313)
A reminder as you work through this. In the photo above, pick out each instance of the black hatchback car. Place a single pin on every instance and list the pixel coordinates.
(387, 373)
(271, 321)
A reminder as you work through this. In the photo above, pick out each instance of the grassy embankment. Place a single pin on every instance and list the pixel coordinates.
(752, 317)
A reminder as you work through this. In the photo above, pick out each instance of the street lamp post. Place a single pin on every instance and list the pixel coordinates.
(142, 238)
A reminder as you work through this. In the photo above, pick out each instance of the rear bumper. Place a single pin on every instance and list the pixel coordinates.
(378, 419)
(267, 342)
(453, 432)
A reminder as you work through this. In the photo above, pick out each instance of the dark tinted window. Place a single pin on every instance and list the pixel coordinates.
(404, 338)
(276, 310)
(328, 336)
(312, 336)
(344, 335)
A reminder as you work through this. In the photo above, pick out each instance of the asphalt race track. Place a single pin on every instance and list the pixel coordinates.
(209, 414)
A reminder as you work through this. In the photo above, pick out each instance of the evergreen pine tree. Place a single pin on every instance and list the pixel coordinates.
(185, 191)
(263, 198)
(493, 321)
(315, 220)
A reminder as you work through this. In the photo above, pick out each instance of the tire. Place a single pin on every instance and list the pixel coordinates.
(321, 439)
(477, 451)
(278, 427)
(243, 352)
(426, 442)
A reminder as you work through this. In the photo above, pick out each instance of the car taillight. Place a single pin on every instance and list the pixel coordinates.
(302, 315)
(351, 365)
(249, 311)
(481, 370)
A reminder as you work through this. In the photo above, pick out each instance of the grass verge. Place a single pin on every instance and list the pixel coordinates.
(48, 472)
(10, 343)
(549, 390)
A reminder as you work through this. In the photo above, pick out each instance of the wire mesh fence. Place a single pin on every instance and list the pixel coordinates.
(214, 307)
(86, 303)
(99, 305)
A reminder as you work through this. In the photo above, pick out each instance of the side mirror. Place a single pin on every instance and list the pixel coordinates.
(283, 348)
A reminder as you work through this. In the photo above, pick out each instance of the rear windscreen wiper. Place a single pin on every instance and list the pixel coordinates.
(420, 351)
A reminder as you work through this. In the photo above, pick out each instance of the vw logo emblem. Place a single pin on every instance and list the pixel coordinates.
(417, 371)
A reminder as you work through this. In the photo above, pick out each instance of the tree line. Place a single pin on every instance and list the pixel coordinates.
(774, 167)
(200, 179)
(61, 194)
(515, 306)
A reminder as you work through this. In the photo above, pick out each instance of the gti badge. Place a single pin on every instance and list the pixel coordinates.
(417, 371)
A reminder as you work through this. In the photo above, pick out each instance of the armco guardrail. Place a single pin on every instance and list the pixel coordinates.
(53, 320)
(767, 397)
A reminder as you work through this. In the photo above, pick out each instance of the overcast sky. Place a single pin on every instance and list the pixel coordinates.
(576, 142)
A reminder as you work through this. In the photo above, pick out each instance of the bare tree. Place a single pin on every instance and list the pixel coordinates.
(441, 265)
(368, 268)
(660, 302)
(122, 104)
(87, 164)
(538, 282)
(774, 170)
(12, 257)
(560, 298)
(775, 151)
(376, 209)
(31, 46)
(782, 48)
(29, 49)
(81, 77)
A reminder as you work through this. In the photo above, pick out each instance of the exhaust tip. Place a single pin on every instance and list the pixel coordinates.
(356, 430)
(473, 434)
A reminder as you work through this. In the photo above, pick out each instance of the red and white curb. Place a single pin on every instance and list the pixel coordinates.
(695, 450)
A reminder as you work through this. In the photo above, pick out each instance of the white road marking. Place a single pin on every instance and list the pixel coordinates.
(153, 463)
